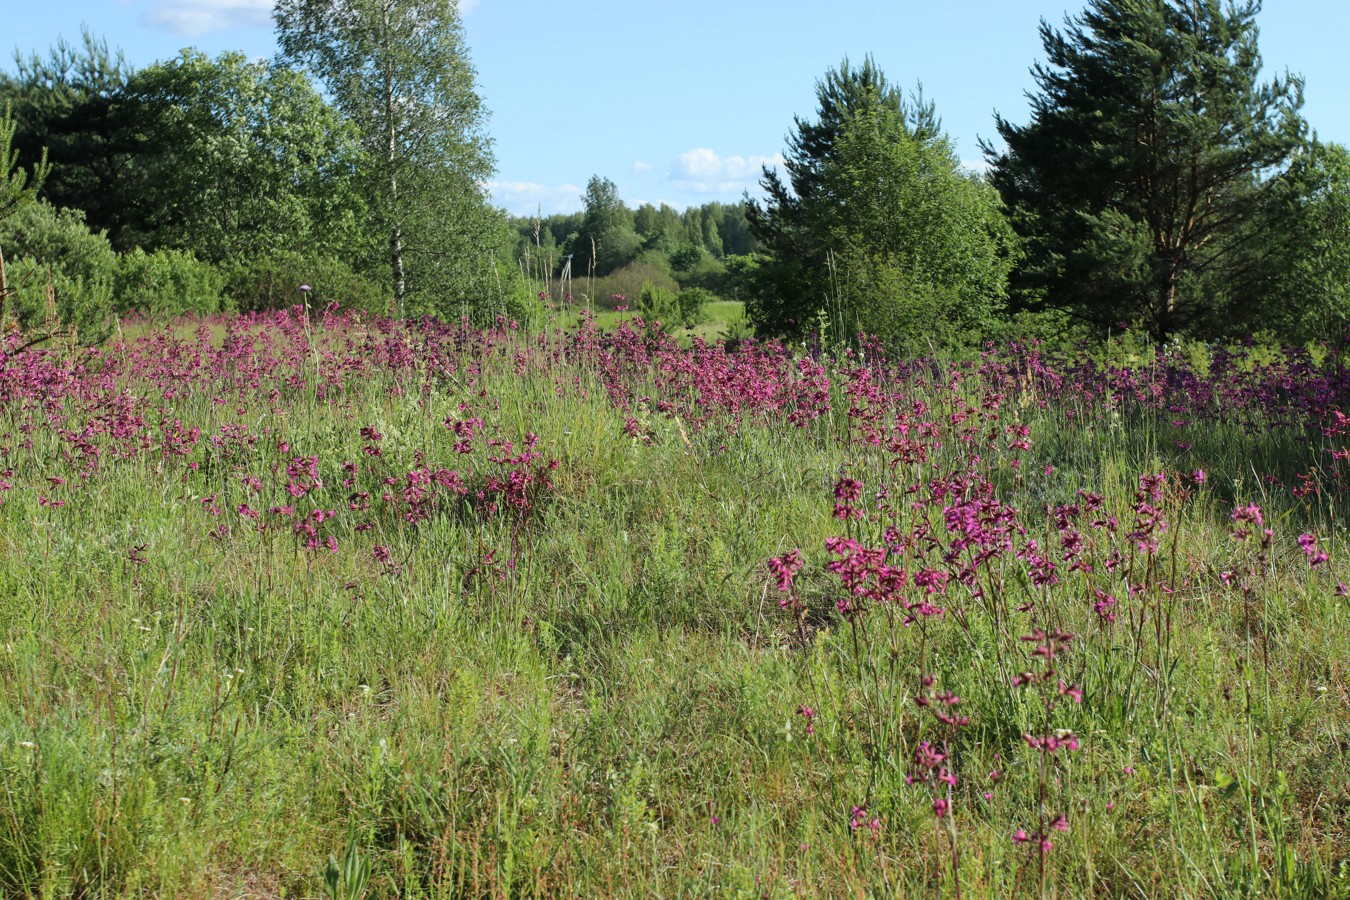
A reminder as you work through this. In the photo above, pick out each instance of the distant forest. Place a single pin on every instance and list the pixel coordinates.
(611, 253)
(1160, 185)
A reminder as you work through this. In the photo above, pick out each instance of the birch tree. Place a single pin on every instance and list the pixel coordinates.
(400, 70)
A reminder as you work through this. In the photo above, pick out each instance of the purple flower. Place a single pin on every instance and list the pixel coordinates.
(1316, 556)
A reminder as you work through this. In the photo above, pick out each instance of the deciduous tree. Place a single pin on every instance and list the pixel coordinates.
(1306, 238)
(793, 283)
(607, 230)
(400, 70)
(239, 158)
(877, 229)
(921, 248)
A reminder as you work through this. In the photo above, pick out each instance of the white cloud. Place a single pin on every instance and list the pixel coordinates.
(639, 167)
(467, 6)
(197, 17)
(978, 166)
(704, 171)
(525, 198)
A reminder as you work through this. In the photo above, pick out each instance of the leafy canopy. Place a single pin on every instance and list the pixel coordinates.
(400, 70)
(876, 228)
(921, 249)
(241, 158)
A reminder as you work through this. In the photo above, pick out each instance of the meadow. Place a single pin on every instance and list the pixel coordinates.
(312, 604)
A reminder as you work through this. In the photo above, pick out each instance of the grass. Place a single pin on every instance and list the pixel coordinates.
(597, 692)
(717, 317)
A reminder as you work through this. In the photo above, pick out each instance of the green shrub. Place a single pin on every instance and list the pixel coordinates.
(657, 304)
(698, 268)
(60, 273)
(737, 330)
(736, 278)
(656, 259)
(510, 296)
(687, 257)
(692, 305)
(169, 283)
(273, 282)
(627, 282)
(687, 307)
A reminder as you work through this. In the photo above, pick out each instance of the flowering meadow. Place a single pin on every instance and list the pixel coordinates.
(315, 605)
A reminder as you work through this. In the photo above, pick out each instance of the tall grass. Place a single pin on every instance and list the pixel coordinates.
(585, 679)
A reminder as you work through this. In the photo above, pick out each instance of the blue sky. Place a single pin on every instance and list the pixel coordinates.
(683, 102)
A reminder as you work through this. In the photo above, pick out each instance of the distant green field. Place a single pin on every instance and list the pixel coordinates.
(718, 317)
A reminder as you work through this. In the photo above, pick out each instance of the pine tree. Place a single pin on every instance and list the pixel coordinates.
(17, 186)
(1148, 156)
(17, 190)
(66, 105)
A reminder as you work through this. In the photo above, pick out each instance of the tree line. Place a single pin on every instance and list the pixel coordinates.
(353, 163)
(658, 260)
(1159, 184)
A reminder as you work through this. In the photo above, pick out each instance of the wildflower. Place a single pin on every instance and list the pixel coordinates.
(847, 491)
(1151, 487)
(1051, 743)
(1245, 518)
(1105, 607)
(785, 568)
(1316, 556)
(856, 817)
(1049, 644)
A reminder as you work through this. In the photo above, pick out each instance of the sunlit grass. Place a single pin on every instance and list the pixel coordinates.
(598, 693)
